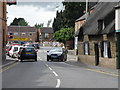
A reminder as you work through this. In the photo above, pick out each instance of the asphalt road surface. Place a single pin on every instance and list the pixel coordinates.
(43, 74)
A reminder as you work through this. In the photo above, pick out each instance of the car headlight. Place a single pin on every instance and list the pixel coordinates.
(48, 54)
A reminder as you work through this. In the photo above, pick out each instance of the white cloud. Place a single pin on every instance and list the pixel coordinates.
(31, 14)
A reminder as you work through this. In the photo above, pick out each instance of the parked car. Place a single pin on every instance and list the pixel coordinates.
(16, 52)
(28, 53)
(36, 45)
(8, 48)
(13, 49)
(57, 53)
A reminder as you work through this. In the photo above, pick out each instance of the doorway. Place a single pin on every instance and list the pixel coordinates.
(96, 54)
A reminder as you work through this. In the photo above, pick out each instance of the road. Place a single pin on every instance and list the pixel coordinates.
(43, 74)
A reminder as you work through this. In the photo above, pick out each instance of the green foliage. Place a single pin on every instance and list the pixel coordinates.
(38, 25)
(23, 23)
(19, 22)
(66, 18)
(64, 34)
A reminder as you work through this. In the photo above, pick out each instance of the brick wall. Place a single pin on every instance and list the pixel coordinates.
(32, 37)
(47, 39)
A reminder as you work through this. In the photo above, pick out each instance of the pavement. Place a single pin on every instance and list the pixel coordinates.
(72, 60)
(8, 61)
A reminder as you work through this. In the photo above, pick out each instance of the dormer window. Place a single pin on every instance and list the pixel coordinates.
(101, 25)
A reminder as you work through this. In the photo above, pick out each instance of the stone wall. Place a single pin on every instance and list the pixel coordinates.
(90, 59)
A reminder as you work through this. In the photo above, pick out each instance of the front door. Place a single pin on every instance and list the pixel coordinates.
(96, 54)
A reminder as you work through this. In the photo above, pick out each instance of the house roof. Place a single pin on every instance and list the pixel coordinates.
(84, 16)
(46, 30)
(81, 18)
(102, 10)
(21, 29)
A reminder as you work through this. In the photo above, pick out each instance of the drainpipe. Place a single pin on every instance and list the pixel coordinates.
(117, 29)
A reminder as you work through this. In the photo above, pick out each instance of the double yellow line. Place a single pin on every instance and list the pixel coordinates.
(8, 67)
(107, 73)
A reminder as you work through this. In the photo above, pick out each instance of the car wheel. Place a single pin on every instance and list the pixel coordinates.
(35, 59)
(13, 56)
(21, 60)
(65, 59)
(47, 59)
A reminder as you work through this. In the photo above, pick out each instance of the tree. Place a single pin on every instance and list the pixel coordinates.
(22, 23)
(66, 18)
(19, 22)
(49, 22)
(64, 34)
(38, 25)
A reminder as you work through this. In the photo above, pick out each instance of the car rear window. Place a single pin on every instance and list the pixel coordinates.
(29, 49)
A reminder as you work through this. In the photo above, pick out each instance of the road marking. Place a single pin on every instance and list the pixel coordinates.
(47, 65)
(58, 80)
(8, 67)
(103, 72)
(55, 73)
(58, 83)
(50, 68)
(112, 74)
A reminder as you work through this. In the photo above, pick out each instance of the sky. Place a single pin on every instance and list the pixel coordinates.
(34, 12)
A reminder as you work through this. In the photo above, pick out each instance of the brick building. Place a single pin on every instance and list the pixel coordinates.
(22, 33)
(46, 34)
(96, 37)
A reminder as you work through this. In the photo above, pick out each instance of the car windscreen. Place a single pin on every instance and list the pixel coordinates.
(56, 50)
(29, 49)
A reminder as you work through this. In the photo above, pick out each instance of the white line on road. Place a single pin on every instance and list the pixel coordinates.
(50, 68)
(55, 73)
(46, 65)
(58, 83)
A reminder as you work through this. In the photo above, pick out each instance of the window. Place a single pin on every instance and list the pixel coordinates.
(86, 48)
(46, 35)
(101, 25)
(31, 34)
(15, 49)
(9, 33)
(105, 49)
(15, 34)
(23, 34)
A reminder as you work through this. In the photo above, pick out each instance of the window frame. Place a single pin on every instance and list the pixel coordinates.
(23, 33)
(15, 33)
(46, 35)
(86, 48)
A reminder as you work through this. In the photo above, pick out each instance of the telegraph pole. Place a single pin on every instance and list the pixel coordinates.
(86, 9)
(117, 29)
